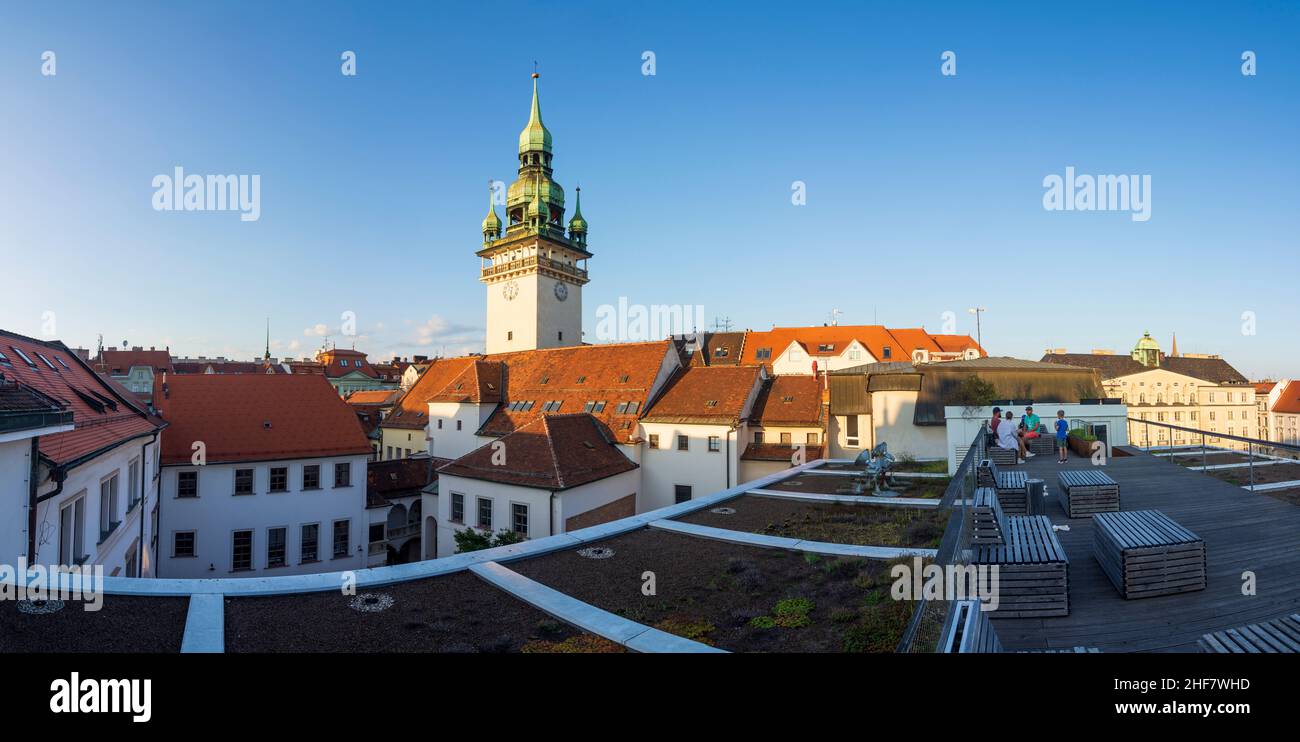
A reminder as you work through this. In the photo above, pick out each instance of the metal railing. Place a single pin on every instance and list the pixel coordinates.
(1205, 435)
(954, 547)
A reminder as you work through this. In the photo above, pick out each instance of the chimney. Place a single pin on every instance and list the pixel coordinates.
(164, 386)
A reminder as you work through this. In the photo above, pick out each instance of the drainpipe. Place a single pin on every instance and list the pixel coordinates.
(144, 505)
(32, 486)
(550, 516)
(726, 464)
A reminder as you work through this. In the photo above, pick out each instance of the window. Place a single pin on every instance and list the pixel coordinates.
(132, 484)
(183, 544)
(457, 507)
(439, 428)
(108, 519)
(811, 439)
(388, 456)
(510, 335)
(886, 353)
(485, 513)
(243, 481)
(714, 443)
(241, 551)
(275, 539)
(519, 518)
(785, 438)
(681, 492)
(683, 443)
(376, 532)
(279, 479)
(308, 550)
(458, 422)
(23, 356)
(851, 430)
(654, 440)
(553, 405)
(763, 354)
(187, 484)
(342, 535)
(343, 474)
(311, 477)
(72, 532)
(343, 362)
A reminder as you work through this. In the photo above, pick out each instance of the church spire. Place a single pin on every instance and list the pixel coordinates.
(267, 357)
(578, 225)
(491, 224)
(535, 137)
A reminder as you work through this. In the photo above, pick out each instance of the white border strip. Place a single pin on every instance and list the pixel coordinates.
(379, 576)
(911, 502)
(794, 544)
(585, 616)
(205, 625)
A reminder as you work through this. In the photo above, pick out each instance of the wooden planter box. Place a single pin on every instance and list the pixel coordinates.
(1080, 447)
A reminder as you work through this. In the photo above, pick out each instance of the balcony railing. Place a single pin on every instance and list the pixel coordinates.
(531, 261)
(1252, 444)
(410, 529)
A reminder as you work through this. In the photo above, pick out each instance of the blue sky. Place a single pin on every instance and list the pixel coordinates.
(924, 192)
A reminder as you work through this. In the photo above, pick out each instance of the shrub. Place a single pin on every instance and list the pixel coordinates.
(472, 539)
(762, 622)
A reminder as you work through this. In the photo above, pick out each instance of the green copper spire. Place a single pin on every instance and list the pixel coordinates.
(538, 214)
(535, 137)
(491, 224)
(578, 225)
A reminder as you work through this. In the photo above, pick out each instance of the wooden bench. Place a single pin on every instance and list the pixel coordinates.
(1084, 492)
(1145, 553)
(1012, 486)
(1043, 445)
(1280, 636)
(1033, 571)
(986, 518)
(1003, 456)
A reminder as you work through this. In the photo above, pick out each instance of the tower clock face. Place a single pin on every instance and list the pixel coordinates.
(510, 290)
(561, 290)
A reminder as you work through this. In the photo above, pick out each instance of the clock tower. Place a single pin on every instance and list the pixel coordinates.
(534, 272)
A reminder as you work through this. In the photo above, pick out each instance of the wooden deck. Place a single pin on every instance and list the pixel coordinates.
(1242, 531)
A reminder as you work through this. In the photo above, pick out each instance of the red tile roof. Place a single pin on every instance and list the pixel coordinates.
(789, 401)
(412, 410)
(835, 338)
(619, 375)
(373, 396)
(256, 417)
(103, 415)
(706, 395)
(227, 367)
(120, 362)
(479, 382)
(332, 361)
(552, 452)
(1263, 387)
(398, 478)
(1288, 401)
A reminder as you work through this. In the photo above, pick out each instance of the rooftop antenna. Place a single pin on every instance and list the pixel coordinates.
(835, 317)
(722, 324)
(977, 311)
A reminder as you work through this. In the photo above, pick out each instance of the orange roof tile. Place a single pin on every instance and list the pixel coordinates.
(790, 401)
(615, 380)
(412, 410)
(256, 417)
(373, 396)
(1288, 401)
(1263, 387)
(706, 395)
(552, 452)
(120, 362)
(103, 414)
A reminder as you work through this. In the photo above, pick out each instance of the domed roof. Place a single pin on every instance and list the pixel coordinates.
(524, 189)
(492, 223)
(535, 136)
(577, 223)
(1147, 343)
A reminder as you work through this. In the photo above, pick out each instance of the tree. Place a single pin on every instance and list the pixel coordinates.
(973, 392)
(472, 539)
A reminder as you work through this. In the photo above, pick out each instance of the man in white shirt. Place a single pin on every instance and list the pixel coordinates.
(1008, 438)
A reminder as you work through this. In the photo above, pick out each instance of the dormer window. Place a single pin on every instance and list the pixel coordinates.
(887, 353)
(23, 356)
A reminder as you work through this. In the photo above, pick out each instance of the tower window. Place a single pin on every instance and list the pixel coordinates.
(510, 335)
(560, 335)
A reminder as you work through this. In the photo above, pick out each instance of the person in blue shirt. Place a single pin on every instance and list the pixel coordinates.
(1062, 432)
